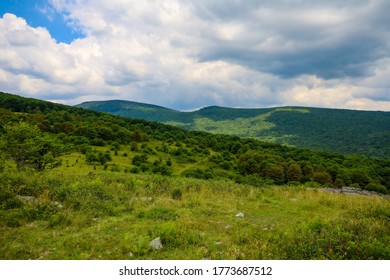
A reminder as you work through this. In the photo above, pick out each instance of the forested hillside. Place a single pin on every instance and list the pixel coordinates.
(344, 131)
(134, 145)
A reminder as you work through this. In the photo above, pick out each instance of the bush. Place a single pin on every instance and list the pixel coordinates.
(138, 160)
(158, 214)
(176, 194)
(198, 173)
(162, 169)
(323, 178)
(376, 188)
(115, 168)
(135, 170)
(8, 200)
(98, 142)
(2, 163)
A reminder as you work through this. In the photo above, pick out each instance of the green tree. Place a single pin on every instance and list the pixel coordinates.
(91, 158)
(322, 178)
(2, 162)
(274, 172)
(138, 160)
(137, 136)
(134, 146)
(294, 173)
(104, 157)
(29, 147)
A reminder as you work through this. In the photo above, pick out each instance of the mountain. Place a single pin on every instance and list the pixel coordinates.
(345, 131)
(132, 109)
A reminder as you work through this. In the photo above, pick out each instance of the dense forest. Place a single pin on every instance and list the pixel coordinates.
(343, 131)
(151, 147)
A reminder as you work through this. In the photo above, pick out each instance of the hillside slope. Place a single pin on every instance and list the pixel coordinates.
(104, 141)
(344, 131)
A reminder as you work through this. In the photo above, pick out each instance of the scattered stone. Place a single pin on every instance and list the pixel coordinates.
(34, 200)
(228, 226)
(240, 215)
(156, 243)
(218, 243)
(353, 191)
(27, 199)
(59, 205)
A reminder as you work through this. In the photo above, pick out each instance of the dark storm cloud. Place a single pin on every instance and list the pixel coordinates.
(322, 38)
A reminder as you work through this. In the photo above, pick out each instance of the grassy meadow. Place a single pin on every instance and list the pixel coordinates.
(100, 214)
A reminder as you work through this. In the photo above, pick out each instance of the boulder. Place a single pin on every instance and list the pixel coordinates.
(156, 243)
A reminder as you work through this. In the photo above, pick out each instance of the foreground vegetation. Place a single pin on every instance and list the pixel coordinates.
(111, 215)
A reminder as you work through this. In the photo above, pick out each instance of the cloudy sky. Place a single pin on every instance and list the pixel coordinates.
(187, 54)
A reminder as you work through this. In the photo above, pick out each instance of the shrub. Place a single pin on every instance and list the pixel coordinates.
(322, 178)
(138, 160)
(8, 200)
(2, 163)
(115, 168)
(135, 170)
(376, 188)
(176, 194)
(158, 214)
(198, 173)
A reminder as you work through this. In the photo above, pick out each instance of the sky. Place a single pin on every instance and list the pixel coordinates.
(188, 54)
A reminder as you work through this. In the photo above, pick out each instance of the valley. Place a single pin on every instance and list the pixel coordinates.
(343, 131)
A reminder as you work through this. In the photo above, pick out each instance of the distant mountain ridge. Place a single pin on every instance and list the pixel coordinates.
(131, 109)
(338, 130)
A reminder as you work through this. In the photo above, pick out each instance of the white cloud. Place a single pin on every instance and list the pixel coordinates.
(189, 54)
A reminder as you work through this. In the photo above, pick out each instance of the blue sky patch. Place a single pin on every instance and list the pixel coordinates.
(41, 14)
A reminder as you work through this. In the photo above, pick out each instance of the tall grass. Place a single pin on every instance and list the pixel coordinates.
(111, 215)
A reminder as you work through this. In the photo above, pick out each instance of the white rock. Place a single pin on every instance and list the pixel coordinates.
(156, 243)
(240, 215)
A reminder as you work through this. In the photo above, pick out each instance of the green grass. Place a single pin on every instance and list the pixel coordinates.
(244, 127)
(113, 215)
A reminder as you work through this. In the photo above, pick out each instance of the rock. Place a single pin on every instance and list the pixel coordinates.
(353, 191)
(240, 215)
(59, 205)
(27, 199)
(34, 200)
(156, 243)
